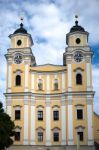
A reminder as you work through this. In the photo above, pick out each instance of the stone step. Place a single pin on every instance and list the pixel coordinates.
(50, 148)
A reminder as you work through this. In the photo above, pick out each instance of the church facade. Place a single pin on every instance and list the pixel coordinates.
(51, 104)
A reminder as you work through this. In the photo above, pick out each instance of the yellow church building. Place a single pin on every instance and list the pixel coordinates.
(51, 104)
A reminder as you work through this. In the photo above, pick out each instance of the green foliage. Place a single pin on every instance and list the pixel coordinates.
(6, 129)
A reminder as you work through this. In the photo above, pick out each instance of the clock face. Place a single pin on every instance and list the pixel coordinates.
(78, 56)
(18, 58)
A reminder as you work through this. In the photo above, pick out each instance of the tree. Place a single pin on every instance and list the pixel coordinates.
(6, 129)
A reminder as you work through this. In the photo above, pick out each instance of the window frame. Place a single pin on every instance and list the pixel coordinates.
(40, 116)
(81, 136)
(16, 138)
(19, 82)
(78, 118)
(57, 137)
(40, 136)
(16, 116)
(56, 116)
(79, 80)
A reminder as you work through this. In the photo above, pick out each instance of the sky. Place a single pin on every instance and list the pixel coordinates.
(48, 22)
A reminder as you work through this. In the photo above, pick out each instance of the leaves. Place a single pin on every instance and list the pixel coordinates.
(6, 129)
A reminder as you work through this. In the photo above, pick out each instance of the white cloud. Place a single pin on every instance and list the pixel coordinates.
(95, 75)
(49, 21)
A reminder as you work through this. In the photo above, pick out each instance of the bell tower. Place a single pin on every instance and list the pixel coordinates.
(19, 60)
(19, 56)
(78, 58)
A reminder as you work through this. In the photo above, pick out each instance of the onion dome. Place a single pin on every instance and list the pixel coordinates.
(21, 30)
(77, 28)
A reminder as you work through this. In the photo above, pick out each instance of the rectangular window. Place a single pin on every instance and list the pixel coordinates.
(56, 115)
(17, 136)
(79, 114)
(17, 115)
(80, 136)
(40, 136)
(56, 137)
(40, 115)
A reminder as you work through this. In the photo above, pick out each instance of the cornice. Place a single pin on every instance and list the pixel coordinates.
(72, 93)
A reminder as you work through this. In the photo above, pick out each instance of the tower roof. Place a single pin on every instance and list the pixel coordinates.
(77, 28)
(20, 30)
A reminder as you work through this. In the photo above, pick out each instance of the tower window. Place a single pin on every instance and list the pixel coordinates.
(56, 115)
(40, 115)
(78, 40)
(80, 136)
(17, 115)
(19, 42)
(40, 136)
(18, 80)
(79, 114)
(79, 79)
(56, 136)
(17, 136)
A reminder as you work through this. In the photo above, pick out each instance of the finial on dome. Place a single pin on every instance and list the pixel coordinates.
(76, 21)
(21, 20)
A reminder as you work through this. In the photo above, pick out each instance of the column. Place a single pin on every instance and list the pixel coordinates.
(88, 71)
(33, 121)
(70, 123)
(70, 107)
(63, 121)
(63, 82)
(26, 76)
(48, 122)
(9, 109)
(90, 122)
(69, 77)
(9, 77)
(32, 82)
(48, 84)
(25, 120)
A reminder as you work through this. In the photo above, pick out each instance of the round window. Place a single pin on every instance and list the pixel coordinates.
(19, 42)
(78, 41)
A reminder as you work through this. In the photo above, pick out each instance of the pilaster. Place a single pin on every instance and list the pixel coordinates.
(63, 120)
(32, 141)
(48, 122)
(26, 121)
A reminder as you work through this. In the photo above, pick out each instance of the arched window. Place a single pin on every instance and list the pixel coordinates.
(18, 80)
(56, 84)
(80, 132)
(40, 113)
(40, 84)
(56, 134)
(40, 134)
(79, 79)
(17, 133)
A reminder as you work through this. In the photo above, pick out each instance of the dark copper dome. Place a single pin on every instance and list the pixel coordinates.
(77, 28)
(21, 30)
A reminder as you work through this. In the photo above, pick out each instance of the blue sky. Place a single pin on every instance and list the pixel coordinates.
(48, 21)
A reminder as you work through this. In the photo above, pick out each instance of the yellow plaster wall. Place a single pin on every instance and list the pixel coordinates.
(73, 37)
(96, 127)
(76, 87)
